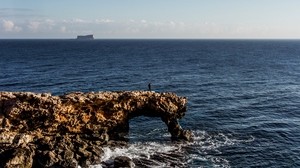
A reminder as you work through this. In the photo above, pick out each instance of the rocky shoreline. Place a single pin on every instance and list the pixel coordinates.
(41, 130)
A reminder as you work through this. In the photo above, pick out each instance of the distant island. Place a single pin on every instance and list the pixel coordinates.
(85, 37)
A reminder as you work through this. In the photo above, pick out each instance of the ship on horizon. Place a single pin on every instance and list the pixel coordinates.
(85, 37)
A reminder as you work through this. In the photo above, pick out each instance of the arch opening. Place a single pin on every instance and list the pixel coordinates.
(144, 128)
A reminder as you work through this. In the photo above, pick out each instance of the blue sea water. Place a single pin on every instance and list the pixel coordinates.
(243, 95)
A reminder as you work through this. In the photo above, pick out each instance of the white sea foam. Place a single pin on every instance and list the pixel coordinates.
(205, 150)
(136, 150)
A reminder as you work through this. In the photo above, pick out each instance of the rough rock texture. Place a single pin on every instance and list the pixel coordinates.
(123, 161)
(41, 130)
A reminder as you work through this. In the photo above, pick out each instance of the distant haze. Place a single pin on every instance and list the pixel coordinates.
(150, 18)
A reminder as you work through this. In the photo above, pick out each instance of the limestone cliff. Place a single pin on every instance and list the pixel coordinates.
(69, 130)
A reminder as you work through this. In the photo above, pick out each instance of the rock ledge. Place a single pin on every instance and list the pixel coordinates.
(41, 130)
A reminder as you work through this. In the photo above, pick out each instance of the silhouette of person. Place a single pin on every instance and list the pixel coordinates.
(149, 86)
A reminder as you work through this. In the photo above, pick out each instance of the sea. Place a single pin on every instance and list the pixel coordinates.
(243, 95)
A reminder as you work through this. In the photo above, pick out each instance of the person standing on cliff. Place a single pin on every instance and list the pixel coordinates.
(149, 86)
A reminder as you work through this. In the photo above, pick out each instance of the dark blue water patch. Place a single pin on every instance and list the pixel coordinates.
(243, 95)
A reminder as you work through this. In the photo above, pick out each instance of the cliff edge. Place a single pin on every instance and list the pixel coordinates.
(41, 130)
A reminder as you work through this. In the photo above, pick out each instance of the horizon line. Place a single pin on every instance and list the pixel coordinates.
(147, 38)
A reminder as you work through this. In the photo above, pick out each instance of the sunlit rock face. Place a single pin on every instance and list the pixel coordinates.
(69, 130)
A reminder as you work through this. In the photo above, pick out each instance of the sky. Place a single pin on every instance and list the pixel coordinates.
(189, 19)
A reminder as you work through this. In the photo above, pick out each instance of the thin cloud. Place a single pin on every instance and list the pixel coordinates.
(109, 28)
(104, 21)
(9, 26)
(34, 25)
(16, 10)
(20, 13)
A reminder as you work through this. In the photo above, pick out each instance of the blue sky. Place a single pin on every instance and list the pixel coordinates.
(150, 18)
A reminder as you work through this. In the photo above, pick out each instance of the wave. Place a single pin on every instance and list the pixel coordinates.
(204, 151)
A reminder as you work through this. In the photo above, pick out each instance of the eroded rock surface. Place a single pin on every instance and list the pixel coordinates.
(41, 130)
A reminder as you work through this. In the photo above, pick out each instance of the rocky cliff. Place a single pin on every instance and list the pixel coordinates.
(41, 130)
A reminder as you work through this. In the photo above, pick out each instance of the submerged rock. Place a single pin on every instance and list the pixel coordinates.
(41, 130)
(123, 161)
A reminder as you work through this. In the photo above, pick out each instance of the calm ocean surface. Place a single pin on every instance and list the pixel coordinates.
(244, 95)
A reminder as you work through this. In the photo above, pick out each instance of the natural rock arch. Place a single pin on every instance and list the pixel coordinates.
(49, 129)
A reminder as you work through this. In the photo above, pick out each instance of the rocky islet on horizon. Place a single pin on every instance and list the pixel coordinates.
(69, 130)
(85, 37)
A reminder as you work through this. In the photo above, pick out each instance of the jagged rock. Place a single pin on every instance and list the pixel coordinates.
(41, 130)
(21, 157)
(123, 161)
